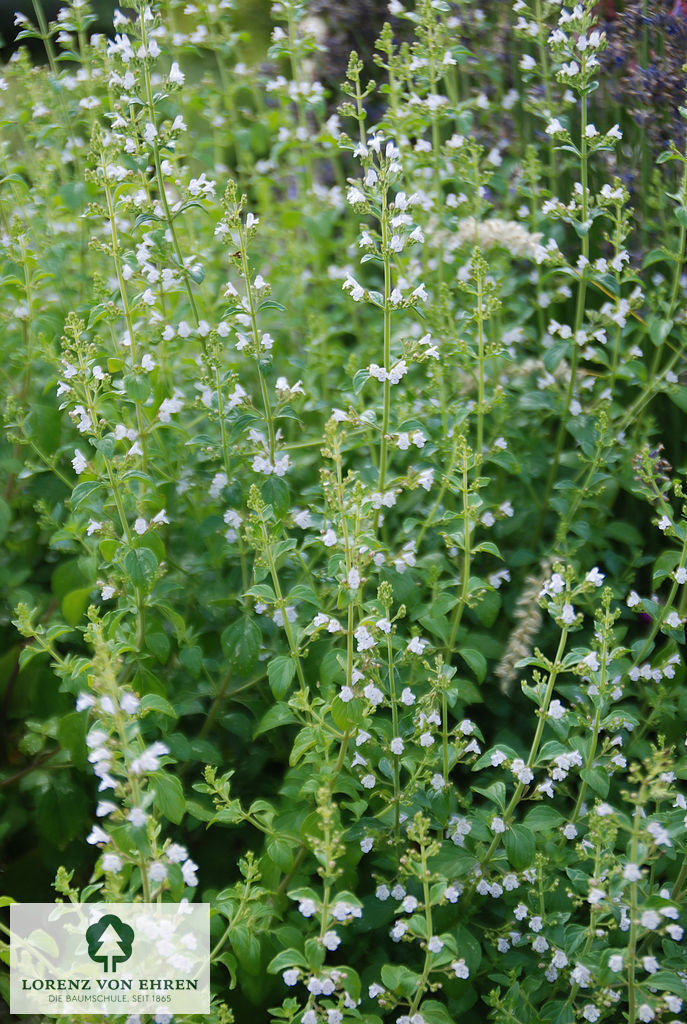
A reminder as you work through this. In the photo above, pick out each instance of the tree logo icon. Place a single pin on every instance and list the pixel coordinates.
(109, 942)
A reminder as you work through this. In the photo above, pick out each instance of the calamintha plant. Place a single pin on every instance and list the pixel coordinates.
(344, 539)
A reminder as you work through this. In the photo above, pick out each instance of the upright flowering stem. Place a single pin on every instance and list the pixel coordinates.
(256, 338)
(480, 356)
(579, 314)
(394, 729)
(601, 708)
(534, 748)
(634, 923)
(128, 315)
(465, 583)
(160, 177)
(420, 837)
(257, 504)
(386, 254)
(546, 75)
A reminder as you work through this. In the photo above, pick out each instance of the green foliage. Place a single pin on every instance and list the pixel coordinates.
(341, 539)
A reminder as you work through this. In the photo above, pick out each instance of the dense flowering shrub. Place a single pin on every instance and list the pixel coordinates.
(344, 561)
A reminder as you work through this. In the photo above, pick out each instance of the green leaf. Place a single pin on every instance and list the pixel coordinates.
(400, 980)
(287, 958)
(597, 779)
(140, 565)
(275, 492)
(82, 492)
(360, 379)
(246, 946)
(71, 735)
(543, 818)
(659, 330)
(476, 661)
(276, 717)
(241, 644)
(519, 844)
(5, 518)
(137, 388)
(496, 793)
(169, 796)
(280, 672)
(468, 947)
(437, 627)
(74, 605)
(435, 1013)
(153, 702)
(280, 852)
(231, 963)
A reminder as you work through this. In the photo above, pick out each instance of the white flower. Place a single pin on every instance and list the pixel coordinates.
(568, 614)
(416, 645)
(97, 835)
(111, 862)
(364, 638)
(79, 462)
(291, 976)
(330, 940)
(663, 523)
(595, 577)
(188, 870)
(129, 703)
(581, 976)
(460, 969)
(157, 872)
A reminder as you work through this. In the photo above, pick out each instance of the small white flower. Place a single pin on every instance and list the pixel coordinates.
(417, 645)
(330, 940)
(111, 862)
(157, 872)
(79, 462)
(460, 969)
(568, 614)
